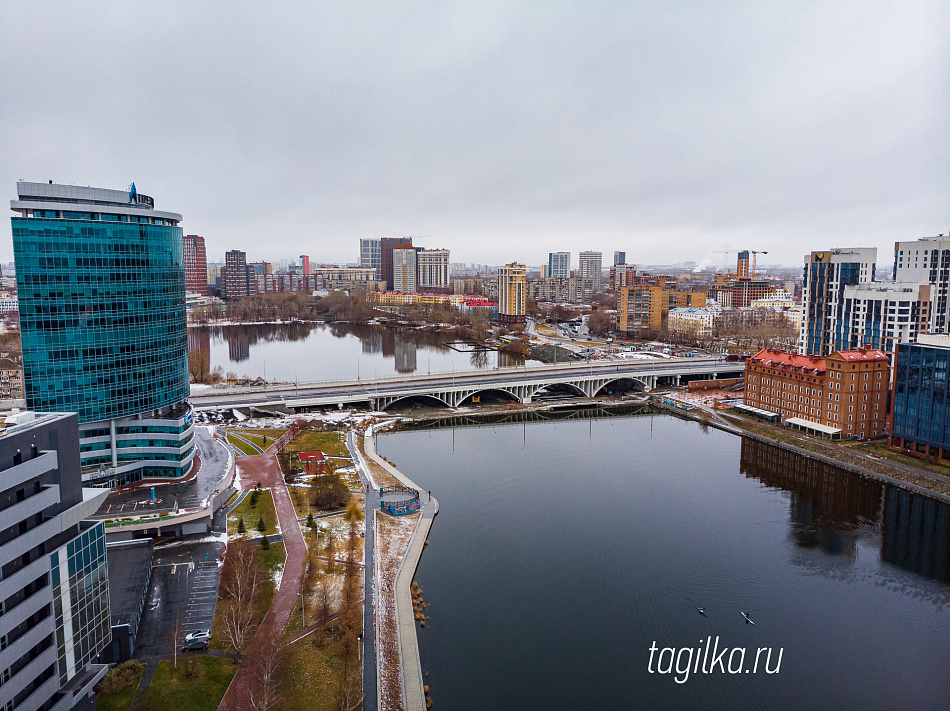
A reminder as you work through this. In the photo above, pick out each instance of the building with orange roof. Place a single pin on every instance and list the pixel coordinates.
(845, 391)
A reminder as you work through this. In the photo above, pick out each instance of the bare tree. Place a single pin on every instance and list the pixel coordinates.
(243, 580)
(199, 364)
(237, 625)
(264, 696)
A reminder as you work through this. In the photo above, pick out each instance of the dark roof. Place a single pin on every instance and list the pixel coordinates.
(130, 567)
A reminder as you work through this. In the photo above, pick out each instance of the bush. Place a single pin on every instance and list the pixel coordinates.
(120, 676)
(329, 492)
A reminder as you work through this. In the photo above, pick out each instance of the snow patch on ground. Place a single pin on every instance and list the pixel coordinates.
(209, 538)
(238, 416)
(199, 388)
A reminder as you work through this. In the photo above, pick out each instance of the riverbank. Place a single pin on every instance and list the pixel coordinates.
(399, 541)
(914, 479)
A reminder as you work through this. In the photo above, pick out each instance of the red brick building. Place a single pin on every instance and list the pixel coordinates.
(195, 262)
(846, 390)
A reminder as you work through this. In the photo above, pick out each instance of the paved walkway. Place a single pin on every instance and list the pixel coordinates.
(370, 678)
(264, 468)
(413, 694)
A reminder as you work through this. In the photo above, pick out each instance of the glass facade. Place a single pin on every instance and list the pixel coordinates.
(81, 600)
(922, 395)
(102, 316)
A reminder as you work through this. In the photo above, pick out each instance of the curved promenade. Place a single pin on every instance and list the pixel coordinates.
(411, 667)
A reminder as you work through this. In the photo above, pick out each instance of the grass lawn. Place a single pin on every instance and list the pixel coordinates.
(270, 433)
(242, 447)
(311, 678)
(331, 443)
(121, 699)
(879, 449)
(198, 684)
(252, 514)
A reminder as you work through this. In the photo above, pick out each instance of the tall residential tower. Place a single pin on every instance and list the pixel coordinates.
(195, 262)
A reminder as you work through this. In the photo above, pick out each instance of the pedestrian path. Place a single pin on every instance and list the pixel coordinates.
(370, 672)
(264, 469)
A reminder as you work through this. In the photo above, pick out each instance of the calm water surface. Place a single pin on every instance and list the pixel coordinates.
(309, 352)
(563, 550)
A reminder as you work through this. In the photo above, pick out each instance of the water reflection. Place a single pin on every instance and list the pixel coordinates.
(832, 509)
(307, 351)
(916, 534)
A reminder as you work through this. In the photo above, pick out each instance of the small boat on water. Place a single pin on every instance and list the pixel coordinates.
(748, 620)
(702, 610)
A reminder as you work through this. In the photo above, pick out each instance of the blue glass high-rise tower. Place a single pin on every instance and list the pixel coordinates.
(101, 290)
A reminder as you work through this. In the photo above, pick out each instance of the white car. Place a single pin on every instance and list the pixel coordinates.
(198, 634)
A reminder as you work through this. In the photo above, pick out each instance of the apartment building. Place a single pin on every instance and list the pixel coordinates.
(432, 268)
(927, 260)
(643, 308)
(512, 295)
(589, 267)
(827, 274)
(54, 592)
(559, 265)
(845, 392)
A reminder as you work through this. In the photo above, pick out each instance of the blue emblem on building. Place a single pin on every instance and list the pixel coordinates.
(132, 193)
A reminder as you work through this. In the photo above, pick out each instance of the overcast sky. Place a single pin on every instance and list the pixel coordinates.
(668, 129)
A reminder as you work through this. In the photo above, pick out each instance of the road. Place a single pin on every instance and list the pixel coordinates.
(356, 390)
(214, 467)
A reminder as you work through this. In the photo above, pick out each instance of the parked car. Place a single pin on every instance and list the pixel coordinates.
(196, 645)
(198, 634)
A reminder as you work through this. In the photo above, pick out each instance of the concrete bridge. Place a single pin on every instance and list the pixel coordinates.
(456, 389)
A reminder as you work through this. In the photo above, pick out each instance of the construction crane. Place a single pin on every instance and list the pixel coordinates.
(739, 269)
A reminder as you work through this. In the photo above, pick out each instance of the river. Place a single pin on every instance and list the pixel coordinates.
(309, 352)
(564, 549)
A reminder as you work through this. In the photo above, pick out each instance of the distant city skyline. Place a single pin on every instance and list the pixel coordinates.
(666, 132)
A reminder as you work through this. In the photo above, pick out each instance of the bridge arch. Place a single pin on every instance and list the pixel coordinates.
(403, 398)
(623, 384)
(467, 400)
(571, 387)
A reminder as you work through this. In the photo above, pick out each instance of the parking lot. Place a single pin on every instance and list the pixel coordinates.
(183, 591)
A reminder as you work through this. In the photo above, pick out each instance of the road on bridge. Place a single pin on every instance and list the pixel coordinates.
(368, 390)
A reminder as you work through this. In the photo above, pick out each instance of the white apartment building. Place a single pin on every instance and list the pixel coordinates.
(927, 260)
(694, 321)
(432, 268)
(404, 270)
(589, 267)
(884, 315)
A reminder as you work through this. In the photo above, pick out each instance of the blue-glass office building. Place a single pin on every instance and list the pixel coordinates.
(102, 316)
(922, 397)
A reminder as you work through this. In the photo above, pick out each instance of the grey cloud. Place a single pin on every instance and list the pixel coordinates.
(504, 131)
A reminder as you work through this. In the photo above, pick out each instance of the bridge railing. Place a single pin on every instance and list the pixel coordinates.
(660, 368)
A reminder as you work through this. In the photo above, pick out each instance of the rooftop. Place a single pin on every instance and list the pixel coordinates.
(52, 196)
(130, 564)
